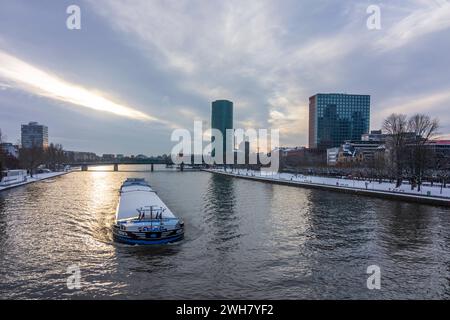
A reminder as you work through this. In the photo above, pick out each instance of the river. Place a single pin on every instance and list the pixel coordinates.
(244, 240)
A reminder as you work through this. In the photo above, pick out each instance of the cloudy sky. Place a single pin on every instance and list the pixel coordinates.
(138, 69)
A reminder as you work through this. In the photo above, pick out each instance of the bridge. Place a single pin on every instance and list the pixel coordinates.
(115, 163)
(84, 165)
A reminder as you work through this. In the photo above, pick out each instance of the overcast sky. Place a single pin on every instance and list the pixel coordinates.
(138, 69)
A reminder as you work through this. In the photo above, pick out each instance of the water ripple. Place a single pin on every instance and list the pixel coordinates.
(244, 239)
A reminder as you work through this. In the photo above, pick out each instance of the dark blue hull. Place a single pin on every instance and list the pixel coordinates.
(133, 241)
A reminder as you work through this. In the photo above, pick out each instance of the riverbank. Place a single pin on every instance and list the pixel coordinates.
(428, 195)
(35, 178)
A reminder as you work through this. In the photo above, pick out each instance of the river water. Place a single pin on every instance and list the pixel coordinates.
(244, 240)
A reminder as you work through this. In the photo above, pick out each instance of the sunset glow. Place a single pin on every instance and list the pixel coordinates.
(39, 82)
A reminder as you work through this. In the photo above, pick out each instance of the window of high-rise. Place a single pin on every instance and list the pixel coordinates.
(335, 118)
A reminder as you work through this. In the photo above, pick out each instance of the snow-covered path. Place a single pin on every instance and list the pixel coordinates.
(432, 193)
(36, 177)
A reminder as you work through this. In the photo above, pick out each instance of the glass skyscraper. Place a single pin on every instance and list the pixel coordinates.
(222, 119)
(34, 135)
(335, 118)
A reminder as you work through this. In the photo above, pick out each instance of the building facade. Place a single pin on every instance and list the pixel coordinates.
(34, 135)
(440, 150)
(302, 157)
(10, 149)
(374, 135)
(335, 118)
(77, 156)
(222, 119)
(360, 151)
(108, 157)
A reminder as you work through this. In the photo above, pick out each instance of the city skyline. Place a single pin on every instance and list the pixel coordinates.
(264, 56)
(224, 159)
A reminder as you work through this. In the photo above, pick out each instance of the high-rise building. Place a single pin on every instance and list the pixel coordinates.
(222, 119)
(335, 118)
(34, 135)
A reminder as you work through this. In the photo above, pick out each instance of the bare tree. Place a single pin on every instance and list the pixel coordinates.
(379, 165)
(50, 156)
(54, 156)
(442, 168)
(424, 129)
(31, 158)
(423, 126)
(396, 126)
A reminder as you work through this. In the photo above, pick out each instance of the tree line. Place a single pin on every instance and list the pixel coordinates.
(52, 157)
(409, 152)
(406, 155)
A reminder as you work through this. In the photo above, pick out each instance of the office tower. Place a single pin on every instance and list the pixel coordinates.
(222, 119)
(335, 118)
(34, 135)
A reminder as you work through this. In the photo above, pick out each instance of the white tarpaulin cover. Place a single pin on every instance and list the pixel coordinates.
(135, 197)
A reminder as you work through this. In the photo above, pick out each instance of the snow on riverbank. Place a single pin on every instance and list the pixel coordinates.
(374, 186)
(35, 178)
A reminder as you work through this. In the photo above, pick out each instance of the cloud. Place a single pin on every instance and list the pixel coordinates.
(266, 56)
(36, 81)
(433, 104)
(443, 137)
(424, 20)
(234, 49)
(423, 103)
(4, 86)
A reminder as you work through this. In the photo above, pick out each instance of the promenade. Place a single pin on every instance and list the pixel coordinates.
(35, 178)
(428, 194)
